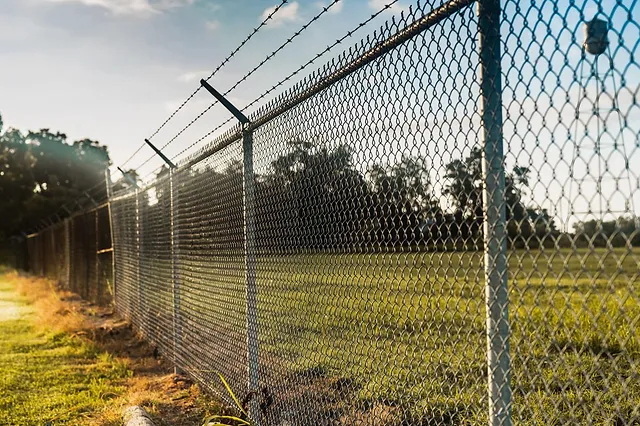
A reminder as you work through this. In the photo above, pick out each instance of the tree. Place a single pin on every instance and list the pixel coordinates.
(312, 197)
(40, 172)
(16, 179)
(620, 232)
(402, 203)
(126, 182)
(464, 187)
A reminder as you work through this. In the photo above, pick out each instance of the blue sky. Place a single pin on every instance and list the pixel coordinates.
(112, 70)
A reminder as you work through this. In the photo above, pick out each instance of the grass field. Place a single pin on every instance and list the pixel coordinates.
(408, 331)
(66, 361)
(399, 338)
(49, 376)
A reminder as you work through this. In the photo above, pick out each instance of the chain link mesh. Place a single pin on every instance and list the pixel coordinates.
(77, 254)
(349, 256)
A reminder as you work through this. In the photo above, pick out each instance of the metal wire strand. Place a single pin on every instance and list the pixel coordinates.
(256, 68)
(287, 78)
(213, 73)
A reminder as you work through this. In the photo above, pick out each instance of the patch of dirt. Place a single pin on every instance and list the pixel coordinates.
(10, 310)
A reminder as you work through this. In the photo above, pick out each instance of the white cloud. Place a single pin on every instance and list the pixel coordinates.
(380, 4)
(190, 76)
(287, 13)
(131, 7)
(212, 25)
(337, 8)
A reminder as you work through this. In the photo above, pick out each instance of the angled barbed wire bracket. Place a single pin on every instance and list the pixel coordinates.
(249, 203)
(228, 105)
(127, 177)
(157, 151)
(86, 194)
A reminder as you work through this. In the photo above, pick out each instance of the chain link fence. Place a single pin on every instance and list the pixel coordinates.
(437, 227)
(77, 254)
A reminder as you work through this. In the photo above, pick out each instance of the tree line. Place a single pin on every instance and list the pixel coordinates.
(310, 196)
(42, 173)
(315, 197)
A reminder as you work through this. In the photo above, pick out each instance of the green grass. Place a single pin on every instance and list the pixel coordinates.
(407, 331)
(48, 376)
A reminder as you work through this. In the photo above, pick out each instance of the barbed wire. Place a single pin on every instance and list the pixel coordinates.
(240, 81)
(275, 52)
(320, 54)
(203, 137)
(247, 75)
(294, 73)
(223, 63)
(133, 155)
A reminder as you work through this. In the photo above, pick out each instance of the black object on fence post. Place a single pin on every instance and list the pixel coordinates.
(139, 253)
(495, 236)
(228, 105)
(251, 289)
(160, 154)
(128, 178)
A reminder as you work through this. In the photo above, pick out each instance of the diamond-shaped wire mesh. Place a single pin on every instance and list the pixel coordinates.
(77, 254)
(439, 226)
(571, 118)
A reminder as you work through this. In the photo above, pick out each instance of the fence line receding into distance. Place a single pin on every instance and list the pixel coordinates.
(439, 226)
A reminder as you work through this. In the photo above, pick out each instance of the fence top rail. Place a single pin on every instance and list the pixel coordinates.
(291, 99)
(296, 96)
(74, 215)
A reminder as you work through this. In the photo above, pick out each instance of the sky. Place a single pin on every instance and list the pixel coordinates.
(113, 70)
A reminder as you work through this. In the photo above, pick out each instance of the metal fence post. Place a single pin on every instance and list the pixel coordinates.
(139, 251)
(250, 268)
(68, 249)
(495, 243)
(175, 288)
(97, 282)
(248, 202)
(107, 178)
(54, 258)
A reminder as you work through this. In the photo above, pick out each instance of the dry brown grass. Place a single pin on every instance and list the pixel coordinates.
(170, 399)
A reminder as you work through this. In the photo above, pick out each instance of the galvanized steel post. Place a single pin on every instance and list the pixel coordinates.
(495, 237)
(175, 287)
(67, 251)
(248, 202)
(107, 179)
(139, 246)
(96, 284)
(250, 269)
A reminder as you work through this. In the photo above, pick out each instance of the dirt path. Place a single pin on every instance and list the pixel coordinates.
(10, 306)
